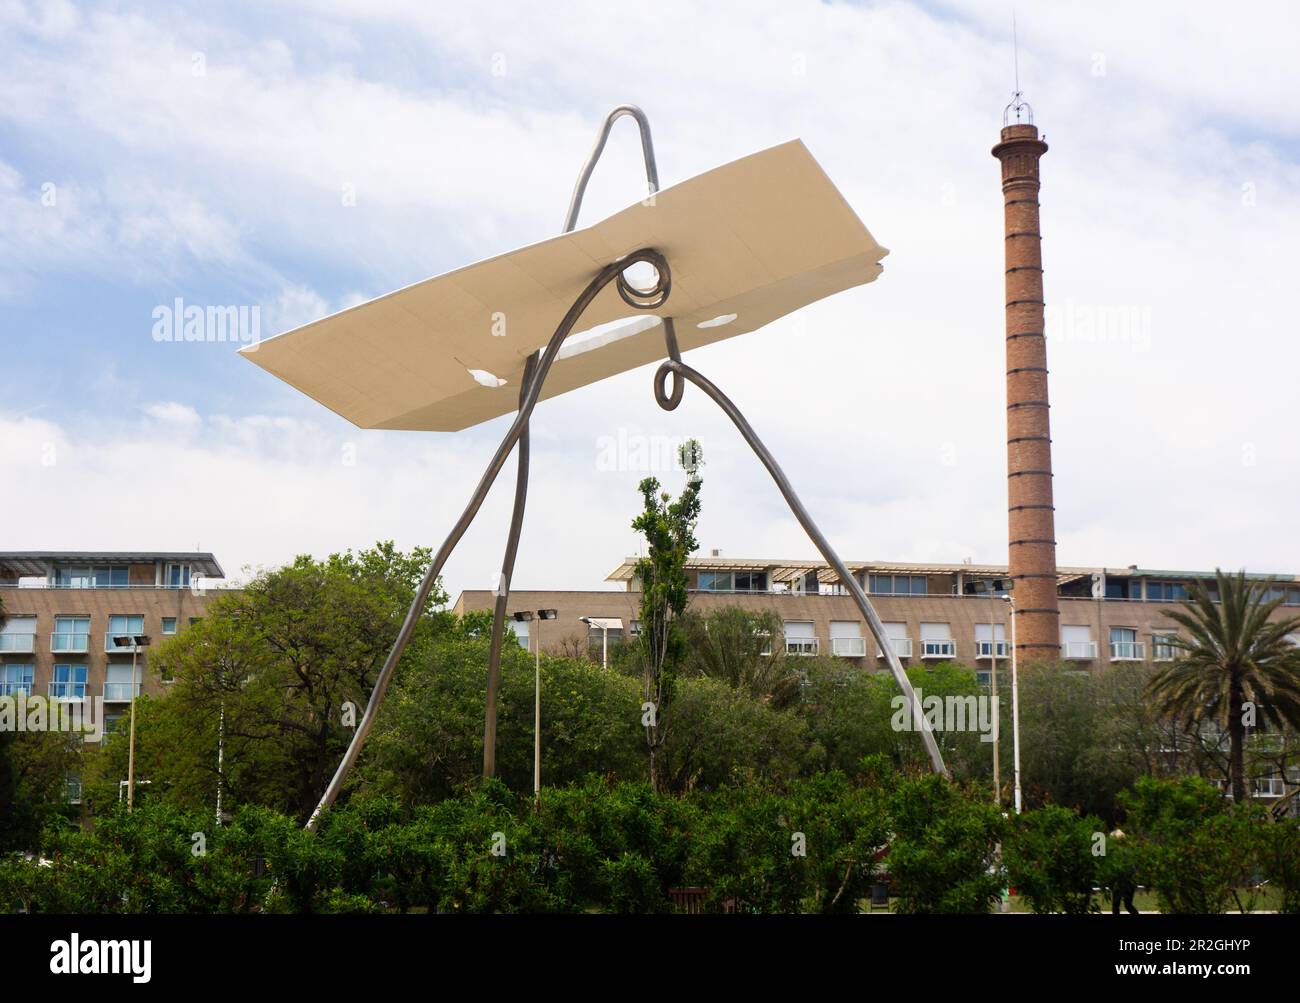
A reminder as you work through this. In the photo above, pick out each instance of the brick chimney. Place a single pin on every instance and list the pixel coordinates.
(1031, 525)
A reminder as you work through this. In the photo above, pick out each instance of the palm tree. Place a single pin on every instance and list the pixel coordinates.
(1231, 654)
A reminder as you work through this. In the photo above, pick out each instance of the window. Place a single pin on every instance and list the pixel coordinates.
(103, 577)
(1124, 588)
(1292, 597)
(847, 640)
(71, 633)
(122, 626)
(110, 724)
(72, 788)
(68, 682)
(1162, 647)
(16, 680)
(716, 581)
(634, 628)
(177, 576)
(1166, 591)
(800, 638)
(1077, 642)
(751, 581)
(936, 641)
(897, 585)
(991, 640)
(18, 634)
(520, 627)
(169, 625)
(896, 633)
(118, 684)
(1124, 645)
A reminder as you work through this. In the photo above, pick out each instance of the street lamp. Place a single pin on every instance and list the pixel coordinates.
(135, 642)
(1015, 705)
(603, 624)
(525, 616)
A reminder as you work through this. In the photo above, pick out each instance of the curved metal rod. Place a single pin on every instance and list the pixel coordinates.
(612, 272)
(503, 587)
(682, 371)
(521, 479)
(647, 151)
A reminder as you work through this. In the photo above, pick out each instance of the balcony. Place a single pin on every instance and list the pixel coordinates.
(1079, 650)
(987, 649)
(849, 647)
(23, 644)
(1127, 651)
(801, 645)
(938, 648)
(902, 647)
(124, 649)
(69, 642)
(120, 692)
(74, 692)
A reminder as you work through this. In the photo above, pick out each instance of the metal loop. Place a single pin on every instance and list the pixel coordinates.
(668, 401)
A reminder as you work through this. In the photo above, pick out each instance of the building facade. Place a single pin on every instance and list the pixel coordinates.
(71, 619)
(932, 612)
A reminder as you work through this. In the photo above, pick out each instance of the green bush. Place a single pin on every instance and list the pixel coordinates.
(1049, 857)
(943, 857)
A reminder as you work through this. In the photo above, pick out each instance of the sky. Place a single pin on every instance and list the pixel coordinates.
(301, 157)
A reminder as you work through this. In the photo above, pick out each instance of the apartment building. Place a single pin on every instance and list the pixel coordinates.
(932, 612)
(65, 610)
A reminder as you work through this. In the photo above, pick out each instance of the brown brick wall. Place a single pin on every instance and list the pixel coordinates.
(1031, 532)
(98, 604)
(961, 613)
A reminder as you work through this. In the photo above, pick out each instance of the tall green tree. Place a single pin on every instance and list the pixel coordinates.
(669, 530)
(1236, 665)
(279, 674)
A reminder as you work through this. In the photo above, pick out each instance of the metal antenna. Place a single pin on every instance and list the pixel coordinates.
(1018, 103)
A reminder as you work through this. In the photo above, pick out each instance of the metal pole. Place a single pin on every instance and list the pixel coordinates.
(221, 755)
(1015, 709)
(604, 647)
(537, 715)
(679, 370)
(503, 587)
(997, 711)
(130, 756)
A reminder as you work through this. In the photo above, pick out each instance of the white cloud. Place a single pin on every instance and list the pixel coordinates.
(1170, 196)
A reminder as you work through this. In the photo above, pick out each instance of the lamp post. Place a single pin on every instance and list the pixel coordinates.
(1015, 707)
(524, 616)
(602, 624)
(136, 642)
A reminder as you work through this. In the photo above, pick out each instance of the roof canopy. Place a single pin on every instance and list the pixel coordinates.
(32, 563)
(758, 238)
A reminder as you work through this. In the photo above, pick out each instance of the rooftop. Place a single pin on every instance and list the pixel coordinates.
(38, 562)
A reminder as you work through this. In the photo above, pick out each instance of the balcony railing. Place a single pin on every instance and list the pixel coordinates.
(985, 649)
(120, 692)
(902, 647)
(18, 643)
(68, 691)
(10, 688)
(1127, 651)
(62, 641)
(1081, 650)
(938, 648)
(849, 647)
(801, 645)
(125, 649)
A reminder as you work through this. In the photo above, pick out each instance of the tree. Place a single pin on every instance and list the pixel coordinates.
(669, 529)
(737, 646)
(1236, 665)
(1050, 859)
(288, 664)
